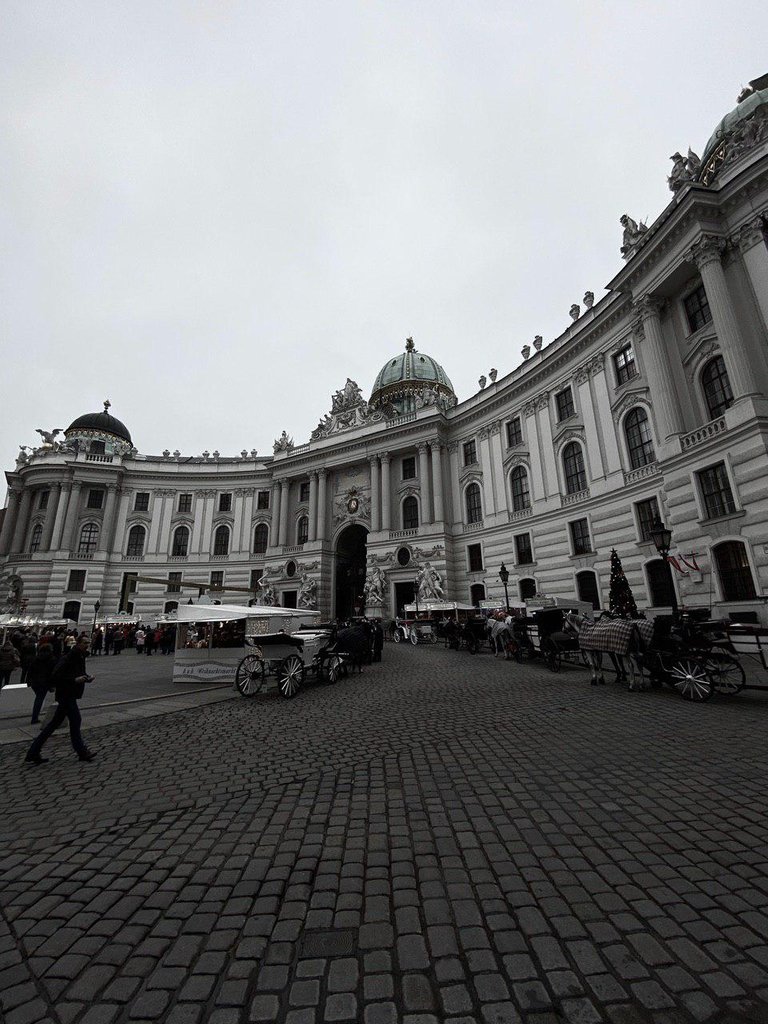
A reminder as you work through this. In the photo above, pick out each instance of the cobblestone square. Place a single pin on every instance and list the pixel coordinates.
(443, 838)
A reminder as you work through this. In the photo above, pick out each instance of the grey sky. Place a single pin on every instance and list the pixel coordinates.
(213, 213)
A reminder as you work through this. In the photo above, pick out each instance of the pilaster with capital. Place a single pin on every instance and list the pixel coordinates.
(752, 243)
(547, 447)
(312, 537)
(602, 400)
(274, 504)
(61, 513)
(707, 254)
(658, 366)
(73, 510)
(285, 486)
(484, 453)
(532, 433)
(104, 545)
(22, 520)
(453, 456)
(437, 480)
(322, 502)
(9, 523)
(587, 405)
(426, 511)
(50, 517)
(375, 491)
(386, 486)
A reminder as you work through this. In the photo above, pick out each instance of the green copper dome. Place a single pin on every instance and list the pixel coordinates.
(405, 376)
(744, 109)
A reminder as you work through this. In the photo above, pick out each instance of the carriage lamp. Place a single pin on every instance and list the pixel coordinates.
(504, 577)
(662, 541)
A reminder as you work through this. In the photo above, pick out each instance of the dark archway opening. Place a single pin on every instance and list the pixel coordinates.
(350, 571)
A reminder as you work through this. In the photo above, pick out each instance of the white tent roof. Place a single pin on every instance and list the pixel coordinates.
(440, 606)
(228, 612)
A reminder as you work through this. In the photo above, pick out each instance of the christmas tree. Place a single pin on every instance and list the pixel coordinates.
(620, 599)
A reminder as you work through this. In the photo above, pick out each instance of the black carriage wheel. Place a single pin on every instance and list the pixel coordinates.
(397, 636)
(291, 676)
(727, 673)
(250, 675)
(414, 637)
(691, 679)
(334, 668)
(551, 655)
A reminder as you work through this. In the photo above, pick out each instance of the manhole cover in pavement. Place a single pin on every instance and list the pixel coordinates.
(330, 942)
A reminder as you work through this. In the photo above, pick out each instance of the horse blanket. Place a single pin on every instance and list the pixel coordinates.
(614, 636)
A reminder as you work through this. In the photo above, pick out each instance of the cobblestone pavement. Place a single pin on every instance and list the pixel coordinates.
(444, 838)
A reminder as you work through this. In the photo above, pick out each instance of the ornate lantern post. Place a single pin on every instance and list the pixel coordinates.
(504, 577)
(662, 540)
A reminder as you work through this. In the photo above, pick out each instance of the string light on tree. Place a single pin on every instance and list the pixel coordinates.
(620, 599)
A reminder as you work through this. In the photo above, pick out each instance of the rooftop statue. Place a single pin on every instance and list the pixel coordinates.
(684, 169)
(283, 443)
(633, 233)
(48, 436)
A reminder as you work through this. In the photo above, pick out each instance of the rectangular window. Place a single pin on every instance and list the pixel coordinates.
(470, 453)
(262, 501)
(185, 503)
(44, 496)
(256, 575)
(523, 549)
(475, 557)
(647, 514)
(514, 432)
(697, 309)
(624, 363)
(409, 467)
(217, 578)
(76, 580)
(95, 499)
(716, 491)
(174, 579)
(580, 537)
(141, 502)
(225, 503)
(564, 404)
(304, 490)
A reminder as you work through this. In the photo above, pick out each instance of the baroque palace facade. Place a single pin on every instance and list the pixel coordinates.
(653, 402)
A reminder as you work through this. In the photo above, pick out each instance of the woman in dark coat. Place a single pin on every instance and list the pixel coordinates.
(39, 677)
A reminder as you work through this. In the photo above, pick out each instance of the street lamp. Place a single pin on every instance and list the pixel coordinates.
(662, 541)
(504, 577)
(96, 606)
(416, 594)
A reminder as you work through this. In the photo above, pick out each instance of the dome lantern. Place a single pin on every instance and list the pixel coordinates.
(411, 380)
(99, 433)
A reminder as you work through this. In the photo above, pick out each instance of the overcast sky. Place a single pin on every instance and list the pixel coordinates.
(213, 213)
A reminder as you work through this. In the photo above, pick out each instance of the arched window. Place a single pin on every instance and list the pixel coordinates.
(660, 587)
(733, 569)
(637, 429)
(586, 587)
(180, 546)
(302, 530)
(717, 387)
(527, 588)
(88, 537)
(521, 493)
(474, 506)
(573, 466)
(477, 593)
(221, 540)
(410, 513)
(71, 611)
(136, 536)
(260, 539)
(34, 540)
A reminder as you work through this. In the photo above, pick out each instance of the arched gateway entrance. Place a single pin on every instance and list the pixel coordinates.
(350, 571)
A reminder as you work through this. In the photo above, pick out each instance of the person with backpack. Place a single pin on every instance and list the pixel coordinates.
(69, 677)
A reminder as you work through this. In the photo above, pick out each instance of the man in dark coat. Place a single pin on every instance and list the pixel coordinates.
(69, 677)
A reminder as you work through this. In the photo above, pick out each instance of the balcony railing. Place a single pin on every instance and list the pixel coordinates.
(702, 434)
(81, 556)
(292, 549)
(641, 473)
(574, 499)
(402, 534)
(99, 458)
(178, 558)
(471, 527)
(133, 558)
(523, 513)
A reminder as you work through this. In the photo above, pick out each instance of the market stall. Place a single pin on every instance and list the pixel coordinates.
(211, 638)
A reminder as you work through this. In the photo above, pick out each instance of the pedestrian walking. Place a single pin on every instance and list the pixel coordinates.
(97, 640)
(378, 640)
(69, 677)
(9, 662)
(140, 638)
(27, 649)
(39, 677)
(149, 642)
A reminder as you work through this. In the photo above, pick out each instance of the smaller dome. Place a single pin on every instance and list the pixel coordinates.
(406, 374)
(101, 422)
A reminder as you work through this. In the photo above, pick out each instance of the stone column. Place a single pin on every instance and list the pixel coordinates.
(437, 480)
(594, 448)
(274, 529)
(375, 504)
(61, 513)
(282, 537)
(426, 511)
(312, 507)
(489, 498)
(706, 254)
(22, 520)
(196, 540)
(602, 400)
(754, 250)
(551, 485)
(247, 519)
(658, 368)
(107, 525)
(322, 483)
(457, 511)
(386, 513)
(73, 510)
(532, 435)
(11, 514)
(50, 517)
(497, 466)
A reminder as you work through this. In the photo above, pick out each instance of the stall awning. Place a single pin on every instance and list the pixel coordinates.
(440, 606)
(230, 612)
